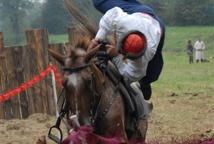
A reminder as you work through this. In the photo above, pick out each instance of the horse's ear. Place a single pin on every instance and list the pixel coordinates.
(60, 58)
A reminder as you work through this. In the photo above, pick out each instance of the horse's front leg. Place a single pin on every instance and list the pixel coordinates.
(116, 120)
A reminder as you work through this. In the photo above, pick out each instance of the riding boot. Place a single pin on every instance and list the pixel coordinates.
(146, 90)
(143, 107)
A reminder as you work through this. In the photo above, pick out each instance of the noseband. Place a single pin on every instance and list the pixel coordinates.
(76, 69)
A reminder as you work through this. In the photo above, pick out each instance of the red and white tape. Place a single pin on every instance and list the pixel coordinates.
(24, 86)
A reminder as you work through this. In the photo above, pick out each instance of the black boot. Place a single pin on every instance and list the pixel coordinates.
(147, 91)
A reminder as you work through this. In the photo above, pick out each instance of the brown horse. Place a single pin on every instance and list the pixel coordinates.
(92, 95)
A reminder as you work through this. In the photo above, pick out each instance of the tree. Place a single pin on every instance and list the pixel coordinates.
(192, 12)
(163, 8)
(13, 12)
(55, 17)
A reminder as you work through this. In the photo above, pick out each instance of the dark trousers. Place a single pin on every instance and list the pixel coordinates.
(155, 65)
(190, 59)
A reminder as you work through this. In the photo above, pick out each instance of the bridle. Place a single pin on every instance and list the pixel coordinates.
(76, 69)
(65, 107)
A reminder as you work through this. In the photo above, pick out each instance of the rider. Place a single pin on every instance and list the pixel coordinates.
(140, 35)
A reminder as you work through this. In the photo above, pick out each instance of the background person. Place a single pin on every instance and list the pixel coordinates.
(190, 51)
(199, 50)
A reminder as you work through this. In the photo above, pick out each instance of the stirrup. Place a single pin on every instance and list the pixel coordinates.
(57, 139)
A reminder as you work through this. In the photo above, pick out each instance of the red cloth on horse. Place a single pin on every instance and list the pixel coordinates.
(85, 135)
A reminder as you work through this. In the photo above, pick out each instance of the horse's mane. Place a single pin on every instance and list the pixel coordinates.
(82, 42)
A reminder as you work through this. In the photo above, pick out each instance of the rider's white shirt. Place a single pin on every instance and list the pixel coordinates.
(119, 22)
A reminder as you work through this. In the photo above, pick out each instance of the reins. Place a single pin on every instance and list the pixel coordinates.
(63, 111)
(65, 108)
(95, 112)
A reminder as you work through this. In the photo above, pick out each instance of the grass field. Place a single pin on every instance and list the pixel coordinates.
(183, 97)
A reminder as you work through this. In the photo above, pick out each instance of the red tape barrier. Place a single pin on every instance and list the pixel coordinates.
(30, 83)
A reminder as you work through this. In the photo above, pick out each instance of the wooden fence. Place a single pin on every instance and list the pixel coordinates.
(21, 63)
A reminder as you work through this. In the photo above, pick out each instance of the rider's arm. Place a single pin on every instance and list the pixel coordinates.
(133, 70)
(107, 23)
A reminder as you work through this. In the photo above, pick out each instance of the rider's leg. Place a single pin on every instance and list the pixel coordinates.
(142, 106)
(153, 71)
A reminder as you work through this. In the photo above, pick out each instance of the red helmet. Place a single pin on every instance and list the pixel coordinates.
(134, 45)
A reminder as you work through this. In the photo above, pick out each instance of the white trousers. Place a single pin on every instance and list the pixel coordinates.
(199, 55)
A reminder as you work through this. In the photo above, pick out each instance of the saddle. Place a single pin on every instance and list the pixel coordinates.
(131, 92)
(135, 105)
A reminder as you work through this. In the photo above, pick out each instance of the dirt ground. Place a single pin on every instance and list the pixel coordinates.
(24, 131)
(173, 117)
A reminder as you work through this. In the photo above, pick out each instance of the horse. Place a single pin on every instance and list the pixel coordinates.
(92, 96)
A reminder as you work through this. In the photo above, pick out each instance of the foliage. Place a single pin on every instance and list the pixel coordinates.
(192, 12)
(184, 12)
(13, 13)
(55, 17)
(19, 15)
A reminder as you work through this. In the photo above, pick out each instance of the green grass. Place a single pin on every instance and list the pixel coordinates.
(177, 74)
(58, 38)
(177, 37)
(180, 76)
(183, 97)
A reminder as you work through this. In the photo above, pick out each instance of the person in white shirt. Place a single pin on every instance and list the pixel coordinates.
(140, 38)
(199, 50)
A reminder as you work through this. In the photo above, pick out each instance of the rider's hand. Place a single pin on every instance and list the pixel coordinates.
(112, 51)
(92, 48)
(93, 44)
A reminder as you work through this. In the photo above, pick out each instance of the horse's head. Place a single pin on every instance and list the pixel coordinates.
(81, 79)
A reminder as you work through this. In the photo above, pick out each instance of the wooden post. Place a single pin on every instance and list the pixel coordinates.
(12, 105)
(37, 60)
(2, 65)
(58, 48)
(18, 54)
(1, 43)
(7, 84)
